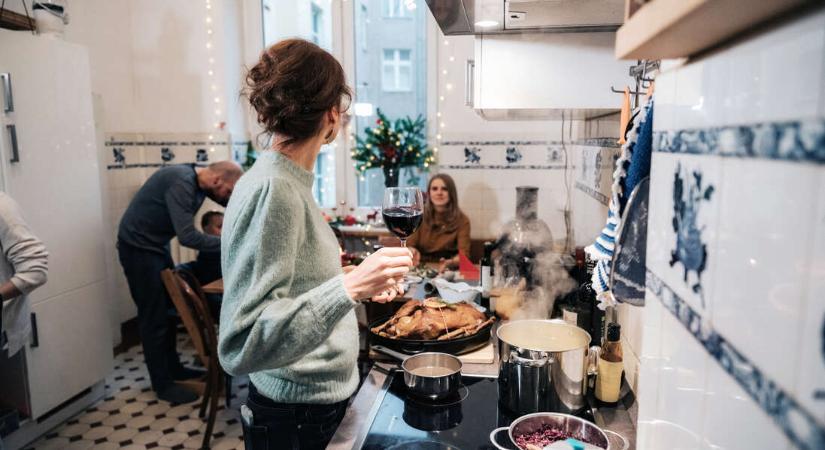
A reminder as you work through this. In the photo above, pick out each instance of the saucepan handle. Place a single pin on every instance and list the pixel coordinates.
(625, 444)
(398, 355)
(495, 433)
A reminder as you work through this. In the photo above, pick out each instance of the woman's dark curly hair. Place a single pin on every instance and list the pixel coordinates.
(292, 86)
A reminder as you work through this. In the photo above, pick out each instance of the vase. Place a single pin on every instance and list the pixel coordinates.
(391, 175)
(525, 239)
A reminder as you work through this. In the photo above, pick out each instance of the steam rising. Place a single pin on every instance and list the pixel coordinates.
(551, 282)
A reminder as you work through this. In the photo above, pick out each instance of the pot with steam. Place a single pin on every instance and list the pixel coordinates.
(542, 366)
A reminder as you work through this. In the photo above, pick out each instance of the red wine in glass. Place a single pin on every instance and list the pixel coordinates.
(402, 221)
(402, 211)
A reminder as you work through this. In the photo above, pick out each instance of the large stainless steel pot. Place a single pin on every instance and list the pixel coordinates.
(542, 366)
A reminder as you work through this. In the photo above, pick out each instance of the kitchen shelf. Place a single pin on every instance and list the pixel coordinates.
(679, 28)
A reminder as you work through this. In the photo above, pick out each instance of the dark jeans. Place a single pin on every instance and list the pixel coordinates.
(157, 334)
(277, 426)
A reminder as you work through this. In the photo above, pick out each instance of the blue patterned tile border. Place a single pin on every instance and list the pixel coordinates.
(797, 141)
(501, 166)
(798, 424)
(149, 165)
(594, 142)
(598, 196)
(164, 143)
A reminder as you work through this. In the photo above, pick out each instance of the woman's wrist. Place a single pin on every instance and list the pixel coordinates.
(351, 287)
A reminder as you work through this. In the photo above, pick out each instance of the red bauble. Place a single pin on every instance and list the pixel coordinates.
(350, 220)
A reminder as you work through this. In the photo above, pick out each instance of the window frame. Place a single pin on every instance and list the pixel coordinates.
(396, 65)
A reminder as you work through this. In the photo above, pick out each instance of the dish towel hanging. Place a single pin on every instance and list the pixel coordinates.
(633, 165)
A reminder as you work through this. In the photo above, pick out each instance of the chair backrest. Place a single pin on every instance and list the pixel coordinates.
(194, 314)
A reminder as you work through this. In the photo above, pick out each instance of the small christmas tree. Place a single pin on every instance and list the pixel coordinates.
(393, 145)
(251, 156)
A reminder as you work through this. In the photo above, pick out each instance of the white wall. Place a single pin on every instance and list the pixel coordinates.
(732, 343)
(150, 69)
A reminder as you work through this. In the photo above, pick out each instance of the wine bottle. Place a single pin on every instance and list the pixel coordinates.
(486, 275)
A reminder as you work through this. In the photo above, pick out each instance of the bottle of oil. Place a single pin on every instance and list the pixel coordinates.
(609, 378)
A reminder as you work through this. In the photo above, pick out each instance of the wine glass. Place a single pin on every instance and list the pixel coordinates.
(402, 211)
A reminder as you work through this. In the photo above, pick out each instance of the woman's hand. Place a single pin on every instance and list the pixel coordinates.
(378, 274)
(389, 295)
(416, 256)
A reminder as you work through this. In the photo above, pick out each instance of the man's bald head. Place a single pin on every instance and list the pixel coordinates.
(227, 170)
(218, 180)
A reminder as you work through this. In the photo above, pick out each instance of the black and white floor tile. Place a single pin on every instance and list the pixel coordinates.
(131, 417)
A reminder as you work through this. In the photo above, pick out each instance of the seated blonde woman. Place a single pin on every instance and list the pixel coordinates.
(445, 230)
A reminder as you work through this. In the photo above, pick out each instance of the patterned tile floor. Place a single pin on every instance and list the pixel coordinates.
(131, 417)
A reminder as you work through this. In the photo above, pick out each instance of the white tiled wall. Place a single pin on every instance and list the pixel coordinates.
(732, 354)
(142, 153)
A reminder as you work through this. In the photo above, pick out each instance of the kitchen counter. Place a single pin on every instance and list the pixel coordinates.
(620, 418)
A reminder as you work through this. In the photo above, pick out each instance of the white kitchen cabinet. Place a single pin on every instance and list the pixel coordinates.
(545, 75)
(51, 169)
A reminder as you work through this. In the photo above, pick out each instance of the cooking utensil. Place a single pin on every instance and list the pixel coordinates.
(627, 274)
(454, 346)
(542, 366)
(581, 429)
(430, 375)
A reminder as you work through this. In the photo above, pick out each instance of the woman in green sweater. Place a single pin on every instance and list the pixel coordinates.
(287, 317)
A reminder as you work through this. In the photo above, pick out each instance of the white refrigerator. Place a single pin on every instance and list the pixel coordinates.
(49, 165)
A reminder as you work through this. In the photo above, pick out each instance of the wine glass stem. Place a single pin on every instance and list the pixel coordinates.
(403, 243)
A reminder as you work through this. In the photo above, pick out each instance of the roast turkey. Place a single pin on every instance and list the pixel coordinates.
(433, 319)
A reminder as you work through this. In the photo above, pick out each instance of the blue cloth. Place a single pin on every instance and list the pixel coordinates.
(640, 156)
(633, 165)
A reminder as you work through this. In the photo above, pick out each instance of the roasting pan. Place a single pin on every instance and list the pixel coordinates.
(455, 346)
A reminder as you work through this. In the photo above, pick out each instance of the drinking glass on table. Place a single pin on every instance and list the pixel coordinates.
(402, 211)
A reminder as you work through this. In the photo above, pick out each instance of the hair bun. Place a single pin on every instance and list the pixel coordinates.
(291, 87)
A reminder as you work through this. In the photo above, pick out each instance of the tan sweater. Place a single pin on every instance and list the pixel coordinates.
(437, 238)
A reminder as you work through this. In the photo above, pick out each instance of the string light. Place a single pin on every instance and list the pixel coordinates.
(218, 122)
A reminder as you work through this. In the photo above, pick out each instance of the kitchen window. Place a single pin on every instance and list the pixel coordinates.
(310, 20)
(396, 70)
(370, 33)
(395, 9)
(390, 75)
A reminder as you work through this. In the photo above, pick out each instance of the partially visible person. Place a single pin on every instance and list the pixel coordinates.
(287, 318)
(207, 266)
(163, 208)
(24, 267)
(445, 229)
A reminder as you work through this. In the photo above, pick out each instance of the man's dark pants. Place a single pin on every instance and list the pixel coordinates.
(142, 269)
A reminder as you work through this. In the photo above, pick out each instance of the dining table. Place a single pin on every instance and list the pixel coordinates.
(214, 287)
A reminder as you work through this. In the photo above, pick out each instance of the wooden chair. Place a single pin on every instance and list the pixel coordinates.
(196, 318)
(192, 280)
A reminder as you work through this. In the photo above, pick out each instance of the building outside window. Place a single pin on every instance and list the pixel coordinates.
(395, 9)
(310, 20)
(317, 23)
(396, 70)
(391, 75)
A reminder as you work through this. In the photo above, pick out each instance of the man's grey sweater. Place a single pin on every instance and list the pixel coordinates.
(163, 208)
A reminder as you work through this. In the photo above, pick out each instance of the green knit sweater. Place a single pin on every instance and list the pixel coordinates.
(286, 319)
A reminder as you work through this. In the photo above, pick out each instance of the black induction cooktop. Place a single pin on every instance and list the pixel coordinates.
(460, 422)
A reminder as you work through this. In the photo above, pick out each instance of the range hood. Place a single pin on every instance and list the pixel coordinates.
(462, 17)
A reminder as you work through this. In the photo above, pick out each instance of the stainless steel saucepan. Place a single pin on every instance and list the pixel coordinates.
(431, 375)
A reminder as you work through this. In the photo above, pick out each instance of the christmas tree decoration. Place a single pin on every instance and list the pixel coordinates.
(392, 146)
(251, 156)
